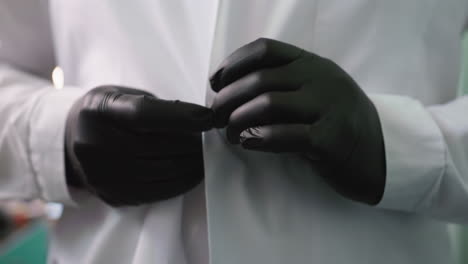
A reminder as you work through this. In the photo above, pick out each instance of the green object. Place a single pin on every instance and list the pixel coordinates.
(26, 246)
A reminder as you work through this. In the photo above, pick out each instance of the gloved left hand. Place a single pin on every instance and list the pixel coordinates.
(276, 97)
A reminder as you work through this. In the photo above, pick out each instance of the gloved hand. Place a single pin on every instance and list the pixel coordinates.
(128, 147)
(276, 97)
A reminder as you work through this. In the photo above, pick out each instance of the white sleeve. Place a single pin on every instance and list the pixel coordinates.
(427, 156)
(32, 112)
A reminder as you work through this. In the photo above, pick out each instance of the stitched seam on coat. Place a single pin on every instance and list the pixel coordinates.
(314, 27)
(143, 221)
(437, 181)
(35, 168)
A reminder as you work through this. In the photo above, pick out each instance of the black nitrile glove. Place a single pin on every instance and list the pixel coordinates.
(276, 97)
(129, 147)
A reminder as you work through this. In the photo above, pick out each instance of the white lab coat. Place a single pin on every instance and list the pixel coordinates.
(262, 208)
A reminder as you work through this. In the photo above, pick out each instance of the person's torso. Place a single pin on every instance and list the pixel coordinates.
(256, 213)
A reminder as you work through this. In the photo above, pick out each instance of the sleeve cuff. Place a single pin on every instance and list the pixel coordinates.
(47, 132)
(414, 149)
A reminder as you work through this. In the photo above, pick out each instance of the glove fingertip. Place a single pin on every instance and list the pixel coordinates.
(215, 80)
(219, 120)
(204, 119)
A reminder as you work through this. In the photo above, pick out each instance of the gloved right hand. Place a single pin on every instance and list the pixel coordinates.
(128, 147)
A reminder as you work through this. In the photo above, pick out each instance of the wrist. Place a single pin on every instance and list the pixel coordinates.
(72, 178)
